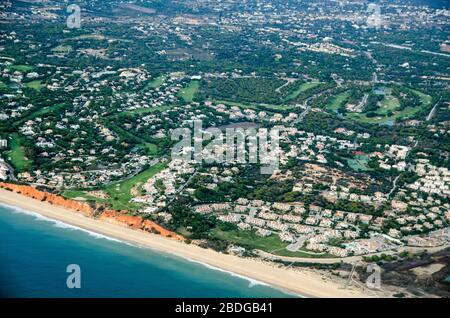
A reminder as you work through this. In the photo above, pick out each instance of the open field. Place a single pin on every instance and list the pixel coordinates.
(359, 163)
(337, 101)
(152, 149)
(37, 85)
(426, 99)
(119, 193)
(388, 106)
(157, 82)
(407, 112)
(389, 103)
(79, 194)
(17, 154)
(302, 88)
(41, 112)
(21, 68)
(188, 93)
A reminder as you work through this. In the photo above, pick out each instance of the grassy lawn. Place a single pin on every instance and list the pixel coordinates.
(21, 68)
(17, 154)
(188, 93)
(359, 163)
(74, 194)
(157, 82)
(426, 99)
(337, 101)
(151, 148)
(120, 193)
(361, 117)
(184, 231)
(374, 120)
(271, 244)
(302, 88)
(390, 104)
(41, 112)
(37, 85)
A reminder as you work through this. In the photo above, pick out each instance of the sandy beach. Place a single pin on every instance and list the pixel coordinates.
(305, 283)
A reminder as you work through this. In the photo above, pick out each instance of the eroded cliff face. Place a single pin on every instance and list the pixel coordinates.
(137, 223)
(152, 227)
(121, 218)
(83, 207)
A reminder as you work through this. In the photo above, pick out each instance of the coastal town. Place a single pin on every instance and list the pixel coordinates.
(89, 115)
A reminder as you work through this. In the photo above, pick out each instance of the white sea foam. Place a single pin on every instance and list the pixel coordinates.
(252, 282)
(59, 224)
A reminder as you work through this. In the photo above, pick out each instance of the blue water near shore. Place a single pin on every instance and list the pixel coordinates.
(35, 252)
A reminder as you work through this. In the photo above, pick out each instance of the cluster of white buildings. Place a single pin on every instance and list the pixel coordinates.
(4, 170)
(164, 185)
(433, 180)
(328, 48)
(153, 94)
(291, 222)
(237, 113)
(433, 239)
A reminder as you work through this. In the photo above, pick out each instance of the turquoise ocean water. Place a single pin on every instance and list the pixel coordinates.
(35, 252)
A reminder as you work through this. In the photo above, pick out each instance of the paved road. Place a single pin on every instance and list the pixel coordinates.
(181, 188)
(433, 110)
(288, 81)
(350, 259)
(308, 107)
(394, 186)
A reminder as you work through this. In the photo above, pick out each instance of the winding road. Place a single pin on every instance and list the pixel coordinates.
(349, 259)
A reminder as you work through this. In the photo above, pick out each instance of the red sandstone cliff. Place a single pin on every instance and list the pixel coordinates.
(110, 216)
(151, 226)
(31, 192)
(118, 218)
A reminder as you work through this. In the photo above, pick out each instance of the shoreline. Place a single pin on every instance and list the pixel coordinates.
(308, 284)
